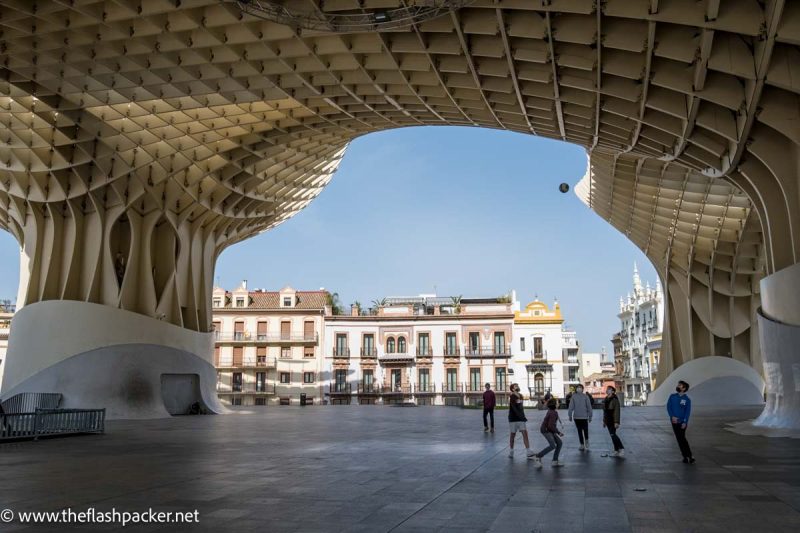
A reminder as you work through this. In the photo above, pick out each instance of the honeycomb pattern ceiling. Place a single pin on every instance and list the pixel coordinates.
(192, 112)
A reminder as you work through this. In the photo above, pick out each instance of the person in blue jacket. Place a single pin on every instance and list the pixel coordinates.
(679, 407)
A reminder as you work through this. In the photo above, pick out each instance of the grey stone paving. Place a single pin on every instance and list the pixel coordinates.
(375, 468)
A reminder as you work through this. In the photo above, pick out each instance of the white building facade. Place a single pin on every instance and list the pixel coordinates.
(545, 353)
(431, 350)
(268, 345)
(425, 350)
(6, 314)
(641, 317)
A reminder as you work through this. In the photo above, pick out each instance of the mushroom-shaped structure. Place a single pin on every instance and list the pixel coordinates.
(140, 139)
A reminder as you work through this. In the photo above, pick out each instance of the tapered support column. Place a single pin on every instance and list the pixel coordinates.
(779, 329)
(98, 356)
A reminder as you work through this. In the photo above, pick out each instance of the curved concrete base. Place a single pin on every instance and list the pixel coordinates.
(714, 380)
(97, 356)
(780, 350)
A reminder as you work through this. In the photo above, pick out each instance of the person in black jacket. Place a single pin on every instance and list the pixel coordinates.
(611, 411)
(516, 420)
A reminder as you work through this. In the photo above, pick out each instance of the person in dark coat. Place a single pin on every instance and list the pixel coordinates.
(517, 420)
(611, 412)
(489, 402)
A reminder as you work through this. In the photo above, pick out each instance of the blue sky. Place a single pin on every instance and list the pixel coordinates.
(471, 212)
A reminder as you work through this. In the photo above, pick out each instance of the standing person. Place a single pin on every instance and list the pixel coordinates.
(611, 410)
(549, 429)
(679, 407)
(516, 421)
(580, 408)
(489, 402)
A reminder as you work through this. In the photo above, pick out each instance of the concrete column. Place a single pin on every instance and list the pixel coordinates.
(101, 357)
(779, 333)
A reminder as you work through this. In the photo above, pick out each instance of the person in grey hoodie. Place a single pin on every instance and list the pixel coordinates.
(580, 409)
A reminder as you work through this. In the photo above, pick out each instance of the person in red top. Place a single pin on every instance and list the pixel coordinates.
(488, 407)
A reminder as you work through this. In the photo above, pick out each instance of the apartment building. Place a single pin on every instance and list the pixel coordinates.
(545, 352)
(268, 345)
(641, 317)
(432, 350)
(424, 349)
(6, 314)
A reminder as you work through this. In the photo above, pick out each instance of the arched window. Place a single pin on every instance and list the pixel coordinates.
(390, 345)
(401, 344)
(538, 383)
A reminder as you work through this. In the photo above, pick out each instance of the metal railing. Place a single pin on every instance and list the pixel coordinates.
(51, 422)
(341, 353)
(396, 389)
(269, 362)
(340, 388)
(475, 387)
(368, 388)
(424, 352)
(452, 387)
(397, 355)
(246, 388)
(451, 351)
(500, 350)
(424, 388)
(241, 336)
(369, 353)
(28, 402)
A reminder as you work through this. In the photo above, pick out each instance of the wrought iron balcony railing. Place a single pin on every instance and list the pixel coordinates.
(369, 353)
(266, 362)
(280, 338)
(245, 388)
(341, 353)
(496, 350)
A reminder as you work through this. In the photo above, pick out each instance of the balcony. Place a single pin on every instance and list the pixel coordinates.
(388, 389)
(425, 388)
(424, 352)
(538, 356)
(501, 387)
(245, 388)
(341, 353)
(488, 352)
(396, 356)
(451, 351)
(475, 388)
(572, 360)
(452, 388)
(266, 362)
(369, 353)
(368, 388)
(340, 388)
(240, 337)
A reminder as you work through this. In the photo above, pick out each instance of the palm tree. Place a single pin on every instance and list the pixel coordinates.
(335, 303)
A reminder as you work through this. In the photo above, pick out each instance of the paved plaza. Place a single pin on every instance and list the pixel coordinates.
(373, 469)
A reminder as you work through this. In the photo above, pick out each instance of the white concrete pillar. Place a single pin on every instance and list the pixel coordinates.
(779, 333)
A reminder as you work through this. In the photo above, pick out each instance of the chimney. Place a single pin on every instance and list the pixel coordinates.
(353, 310)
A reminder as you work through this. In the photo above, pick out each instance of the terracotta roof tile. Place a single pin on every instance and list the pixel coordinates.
(305, 300)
